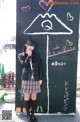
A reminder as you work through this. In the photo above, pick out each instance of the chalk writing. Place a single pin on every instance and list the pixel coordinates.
(58, 51)
(58, 63)
(66, 96)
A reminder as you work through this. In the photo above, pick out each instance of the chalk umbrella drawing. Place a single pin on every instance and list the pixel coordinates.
(47, 28)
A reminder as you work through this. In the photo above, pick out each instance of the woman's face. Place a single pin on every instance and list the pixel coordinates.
(29, 47)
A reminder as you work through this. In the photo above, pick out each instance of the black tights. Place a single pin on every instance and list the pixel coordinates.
(30, 104)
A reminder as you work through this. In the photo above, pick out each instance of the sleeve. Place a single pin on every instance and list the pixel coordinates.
(25, 61)
(21, 57)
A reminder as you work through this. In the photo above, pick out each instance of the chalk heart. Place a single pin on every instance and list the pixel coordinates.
(69, 43)
(25, 8)
(46, 7)
(70, 17)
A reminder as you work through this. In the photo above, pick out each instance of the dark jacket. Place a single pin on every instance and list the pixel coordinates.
(36, 65)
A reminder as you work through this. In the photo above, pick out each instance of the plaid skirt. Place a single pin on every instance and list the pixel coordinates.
(31, 86)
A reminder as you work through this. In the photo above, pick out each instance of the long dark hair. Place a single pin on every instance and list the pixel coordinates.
(24, 49)
(29, 42)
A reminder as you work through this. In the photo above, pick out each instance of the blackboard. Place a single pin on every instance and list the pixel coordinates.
(55, 29)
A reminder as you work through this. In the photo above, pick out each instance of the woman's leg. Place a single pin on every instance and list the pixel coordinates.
(33, 102)
(27, 102)
(33, 96)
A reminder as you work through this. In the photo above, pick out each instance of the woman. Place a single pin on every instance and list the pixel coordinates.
(31, 77)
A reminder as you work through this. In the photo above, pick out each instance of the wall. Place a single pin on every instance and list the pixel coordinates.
(55, 30)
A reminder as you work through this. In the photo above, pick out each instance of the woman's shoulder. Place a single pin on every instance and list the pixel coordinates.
(37, 54)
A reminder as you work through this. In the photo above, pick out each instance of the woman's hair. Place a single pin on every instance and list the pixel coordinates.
(25, 47)
(29, 42)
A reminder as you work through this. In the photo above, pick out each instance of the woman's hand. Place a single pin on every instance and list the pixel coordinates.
(40, 82)
(29, 51)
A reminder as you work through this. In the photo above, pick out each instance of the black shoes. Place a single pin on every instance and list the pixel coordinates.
(32, 119)
(28, 118)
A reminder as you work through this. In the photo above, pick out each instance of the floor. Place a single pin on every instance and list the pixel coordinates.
(41, 118)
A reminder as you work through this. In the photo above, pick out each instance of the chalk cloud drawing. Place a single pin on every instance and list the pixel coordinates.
(68, 32)
(70, 17)
(46, 7)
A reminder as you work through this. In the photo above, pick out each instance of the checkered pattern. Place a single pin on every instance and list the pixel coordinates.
(31, 86)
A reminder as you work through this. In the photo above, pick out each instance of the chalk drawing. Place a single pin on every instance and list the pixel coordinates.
(49, 27)
(70, 17)
(70, 31)
(39, 109)
(69, 43)
(47, 73)
(25, 8)
(46, 7)
(45, 26)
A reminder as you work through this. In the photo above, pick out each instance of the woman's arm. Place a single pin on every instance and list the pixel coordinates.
(21, 57)
(40, 70)
(25, 61)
